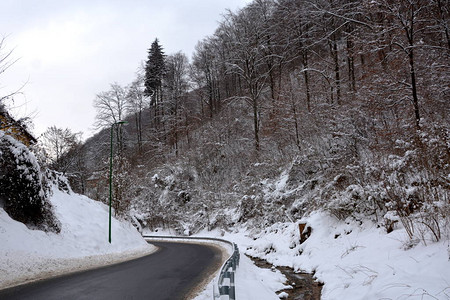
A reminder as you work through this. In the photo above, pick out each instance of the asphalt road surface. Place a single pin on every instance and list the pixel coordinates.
(171, 273)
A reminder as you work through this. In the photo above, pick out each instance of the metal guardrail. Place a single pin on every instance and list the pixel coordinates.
(224, 288)
(225, 284)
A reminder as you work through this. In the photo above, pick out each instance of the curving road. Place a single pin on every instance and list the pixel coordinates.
(171, 273)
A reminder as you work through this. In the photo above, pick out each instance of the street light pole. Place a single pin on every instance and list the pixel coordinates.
(110, 174)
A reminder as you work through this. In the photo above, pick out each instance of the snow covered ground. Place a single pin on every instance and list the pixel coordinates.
(354, 261)
(27, 255)
(251, 283)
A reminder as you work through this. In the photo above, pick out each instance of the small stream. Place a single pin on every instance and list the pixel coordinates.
(304, 287)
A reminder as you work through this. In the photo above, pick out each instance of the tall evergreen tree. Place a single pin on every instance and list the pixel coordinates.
(154, 72)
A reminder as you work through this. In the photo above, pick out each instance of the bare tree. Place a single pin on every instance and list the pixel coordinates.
(400, 39)
(176, 85)
(205, 74)
(6, 61)
(137, 102)
(57, 142)
(248, 60)
(297, 41)
(111, 107)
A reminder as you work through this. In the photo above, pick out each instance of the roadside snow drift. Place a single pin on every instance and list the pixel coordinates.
(27, 255)
(358, 261)
(354, 260)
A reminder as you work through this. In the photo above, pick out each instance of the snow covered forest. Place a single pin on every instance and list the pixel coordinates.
(337, 110)
(348, 101)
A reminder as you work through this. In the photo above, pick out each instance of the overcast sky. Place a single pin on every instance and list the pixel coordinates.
(70, 50)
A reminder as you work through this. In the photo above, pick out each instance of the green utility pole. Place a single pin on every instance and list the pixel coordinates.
(110, 174)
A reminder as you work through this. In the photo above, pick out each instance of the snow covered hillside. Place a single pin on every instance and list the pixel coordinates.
(358, 261)
(27, 255)
(353, 260)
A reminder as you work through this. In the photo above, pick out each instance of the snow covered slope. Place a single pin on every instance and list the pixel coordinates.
(83, 242)
(354, 261)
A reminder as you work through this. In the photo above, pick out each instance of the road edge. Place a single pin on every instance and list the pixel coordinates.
(69, 266)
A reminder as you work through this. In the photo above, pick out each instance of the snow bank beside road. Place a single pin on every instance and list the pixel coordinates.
(27, 255)
(358, 261)
(353, 260)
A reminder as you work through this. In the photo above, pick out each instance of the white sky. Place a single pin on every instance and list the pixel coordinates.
(71, 50)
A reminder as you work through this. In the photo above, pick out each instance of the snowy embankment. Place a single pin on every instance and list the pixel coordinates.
(27, 255)
(359, 261)
(353, 260)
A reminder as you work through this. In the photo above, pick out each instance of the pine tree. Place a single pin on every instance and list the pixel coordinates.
(154, 72)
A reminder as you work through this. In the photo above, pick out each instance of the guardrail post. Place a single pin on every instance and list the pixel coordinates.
(232, 289)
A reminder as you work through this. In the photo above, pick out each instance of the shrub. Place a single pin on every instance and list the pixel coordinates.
(23, 188)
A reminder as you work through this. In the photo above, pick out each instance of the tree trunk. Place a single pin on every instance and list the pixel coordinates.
(351, 64)
(337, 75)
(294, 112)
(306, 79)
(444, 22)
(414, 88)
(409, 31)
(256, 122)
